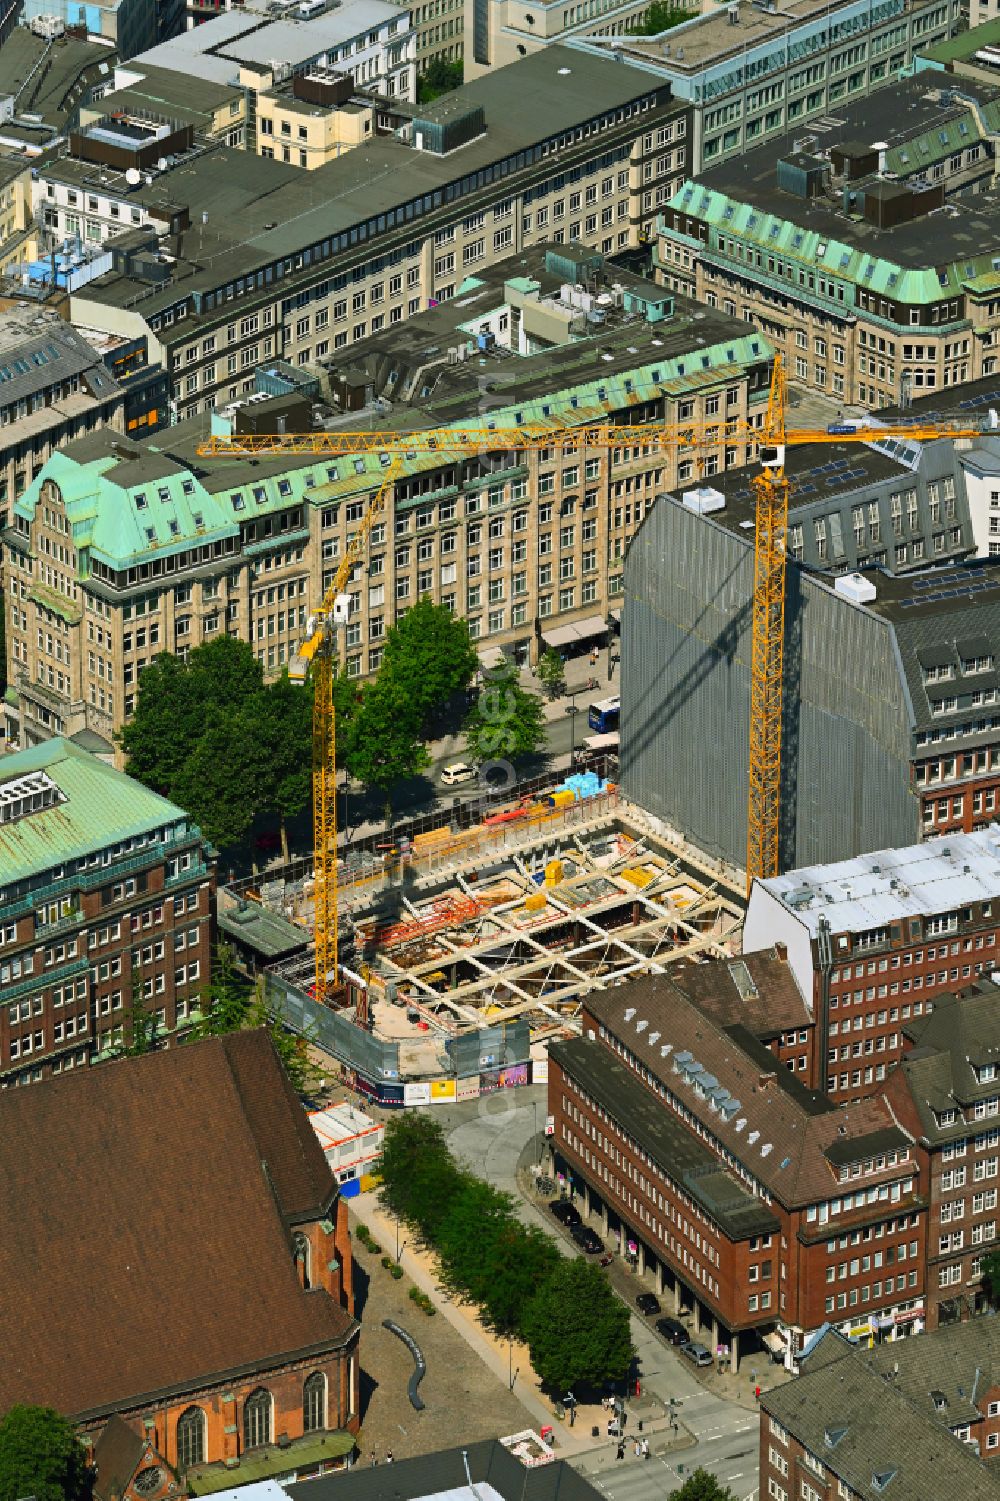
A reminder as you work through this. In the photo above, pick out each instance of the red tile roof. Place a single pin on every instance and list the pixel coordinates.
(145, 1207)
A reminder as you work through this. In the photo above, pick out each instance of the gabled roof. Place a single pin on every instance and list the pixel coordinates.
(865, 1425)
(961, 1033)
(750, 1103)
(160, 1191)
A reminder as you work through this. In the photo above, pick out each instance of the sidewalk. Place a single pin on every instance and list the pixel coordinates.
(503, 1362)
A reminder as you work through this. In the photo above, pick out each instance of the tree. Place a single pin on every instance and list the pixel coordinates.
(991, 1276)
(552, 672)
(440, 78)
(142, 1025)
(225, 1000)
(211, 786)
(476, 1217)
(41, 1456)
(702, 1486)
(282, 749)
(577, 1330)
(517, 1261)
(429, 657)
(505, 720)
(419, 1177)
(385, 747)
(660, 16)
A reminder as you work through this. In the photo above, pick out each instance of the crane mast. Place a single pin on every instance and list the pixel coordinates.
(320, 653)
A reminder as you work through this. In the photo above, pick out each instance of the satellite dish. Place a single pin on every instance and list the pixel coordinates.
(133, 177)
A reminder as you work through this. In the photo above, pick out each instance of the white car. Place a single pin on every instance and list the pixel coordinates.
(457, 773)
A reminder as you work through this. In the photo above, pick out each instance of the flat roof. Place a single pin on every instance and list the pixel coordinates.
(258, 214)
(962, 48)
(873, 890)
(914, 107)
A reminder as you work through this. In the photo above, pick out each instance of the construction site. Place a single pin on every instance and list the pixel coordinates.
(463, 953)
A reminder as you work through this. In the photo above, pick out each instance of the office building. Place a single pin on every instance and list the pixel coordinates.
(168, 551)
(317, 116)
(761, 1204)
(18, 233)
(54, 386)
(870, 266)
(753, 72)
(440, 32)
(262, 255)
(945, 1092)
(498, 32)
(914, 1421)
(873, 942)
(46, 78)
(106, 895)
(216, 112)
(128, 25)
(222, 1336)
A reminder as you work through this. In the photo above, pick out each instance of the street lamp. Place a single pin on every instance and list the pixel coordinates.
(572, 724)
(399, 1249)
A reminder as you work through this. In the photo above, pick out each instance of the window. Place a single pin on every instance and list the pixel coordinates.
(257, 1419)
(190, 1438)
(314, 1402)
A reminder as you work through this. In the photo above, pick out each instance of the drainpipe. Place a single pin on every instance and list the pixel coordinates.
(825, 955)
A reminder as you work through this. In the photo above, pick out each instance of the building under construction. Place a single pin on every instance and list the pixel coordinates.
(465, 952)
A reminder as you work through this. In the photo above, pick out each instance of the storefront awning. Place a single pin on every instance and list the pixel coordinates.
(616, 616)
(491, 656)
(774, 1342)
(580, 630)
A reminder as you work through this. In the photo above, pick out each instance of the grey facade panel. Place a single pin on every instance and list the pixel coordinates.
(686, 644)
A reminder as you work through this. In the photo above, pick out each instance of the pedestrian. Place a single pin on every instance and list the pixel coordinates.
(621, 1449)
(388, 1456)
(374, 1460)
(645, 1448)
(593, 657)
(638, 1448)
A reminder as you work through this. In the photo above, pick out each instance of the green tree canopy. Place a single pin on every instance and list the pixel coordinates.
(475, 1217)
(385, 746)
(660, 16)
(552, 672)
(577, 1330)
(517, 1260)
(429, 657)
(505, 721)
(231, 1003)
(419, 1177)
(212, 737)
(41, 1456)
(440, 78)
(701, 1485)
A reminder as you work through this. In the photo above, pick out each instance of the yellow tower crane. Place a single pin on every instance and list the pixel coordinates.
(320, 651)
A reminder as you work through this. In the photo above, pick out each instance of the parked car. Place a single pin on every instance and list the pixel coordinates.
(566, 1213)
(672, 1331)
(648, 1304)
(457, 772)
(587, 1240)
(699, 1354)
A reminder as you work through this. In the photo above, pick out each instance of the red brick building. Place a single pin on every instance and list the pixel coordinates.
(873, 942)
(105, 889)
(196, 1276)
(946, 1093)
(914, 1421)
(763, 1206)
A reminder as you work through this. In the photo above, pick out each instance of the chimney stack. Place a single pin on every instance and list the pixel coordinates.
(781, 952)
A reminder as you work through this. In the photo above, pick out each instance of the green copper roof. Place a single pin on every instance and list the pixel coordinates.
(965, 45)
(101, 807)
(847, 264)
(151, 518)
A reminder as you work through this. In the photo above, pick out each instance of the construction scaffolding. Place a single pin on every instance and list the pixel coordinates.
(501, 926)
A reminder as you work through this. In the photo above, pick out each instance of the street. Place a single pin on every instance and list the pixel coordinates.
(491, 1136)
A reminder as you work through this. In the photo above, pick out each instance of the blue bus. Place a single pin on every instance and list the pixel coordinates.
(604, 715)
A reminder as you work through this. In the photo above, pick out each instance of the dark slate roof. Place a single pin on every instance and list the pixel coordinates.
(444, 1471)
(864, 1427)
(189, 1167)
(840, 1153)
(961, 1031)
(959, 1363)
(673, 1148)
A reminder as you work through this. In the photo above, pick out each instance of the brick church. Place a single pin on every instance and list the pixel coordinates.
(176, 1267)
